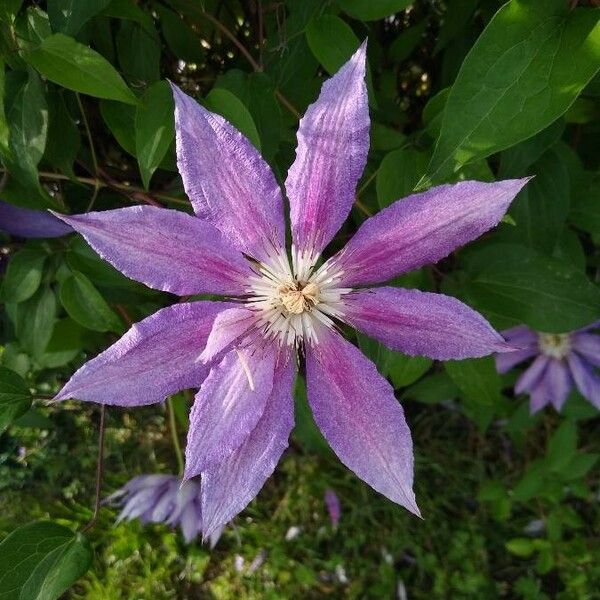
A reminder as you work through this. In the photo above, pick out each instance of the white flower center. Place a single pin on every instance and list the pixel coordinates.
(555, 345)
(293, 302)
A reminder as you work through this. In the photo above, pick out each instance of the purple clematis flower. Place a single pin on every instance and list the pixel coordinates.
(560, 359)
(163, 499)
(29, 223)
(241, 351)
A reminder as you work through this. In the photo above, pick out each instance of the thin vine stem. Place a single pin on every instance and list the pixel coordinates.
(138, 192)
(175, 436)
(99, 470)
(92, 151)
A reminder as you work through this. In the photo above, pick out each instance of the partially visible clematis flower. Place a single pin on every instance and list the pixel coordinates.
(332, 502)
(242, 351)
(163, 499)
(560, 360)
(29, 223)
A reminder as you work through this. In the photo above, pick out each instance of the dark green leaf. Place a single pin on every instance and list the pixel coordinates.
(305, 428)
(121, 122)
(367, 10)
(522, 547)
(35, 320)
(232, 108)
(386, 138)
(125, 9)
(41, 560)
(84, 304)
(28, 122)
(579, 466)
(545, 293)
(183, 41)
(23, 275)
(532, 55)
(562, 446)
(154, 128)
(476, 378)
(64, 61)
(63, 136)
(404, 370)
(434, 388)
(540, 210)
(585, 206)
(68, 16)
(407, 41)
(139, 53)
(531, 483)
(4, 130)
(456, 19)
(515, 161)
(332, 41)
(68, 338)
(15, 398)
(398, 174)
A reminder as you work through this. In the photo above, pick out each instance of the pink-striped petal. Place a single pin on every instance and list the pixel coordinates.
(230, 485)
(422, 229)
(228, 406)
(165, 249)
(586, 380)
(333, 142)
(154, 359)
(228, 327)
(421, 323)
(228, 182)
(355, 408)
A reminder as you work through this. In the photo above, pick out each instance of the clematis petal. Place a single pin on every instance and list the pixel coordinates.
(165, 249)
(153, 360)
(588, 345)
(29, 223)
(532, 375)
(228, 182)
(228, 327)
(422, 229)
(538, 397)
(333, 142)
(521, 337)
(421, 323)
(558, 382)
(355, 408)
(586, 380)
(227, 487)
(190, 523)
(228, 406)
(507, 360)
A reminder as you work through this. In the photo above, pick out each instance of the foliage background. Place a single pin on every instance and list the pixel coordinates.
(510, 501)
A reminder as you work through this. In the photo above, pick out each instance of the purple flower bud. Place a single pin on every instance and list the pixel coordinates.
(333, 507)
(29, 223)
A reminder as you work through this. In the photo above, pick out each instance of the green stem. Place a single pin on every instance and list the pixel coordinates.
(92, 150)
(174, 436)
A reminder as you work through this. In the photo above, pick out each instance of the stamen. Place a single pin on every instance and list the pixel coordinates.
(293, 302)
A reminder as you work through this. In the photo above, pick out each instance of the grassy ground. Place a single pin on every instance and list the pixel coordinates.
(377, 551)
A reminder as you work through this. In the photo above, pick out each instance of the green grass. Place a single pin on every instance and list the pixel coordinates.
(457, 551)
